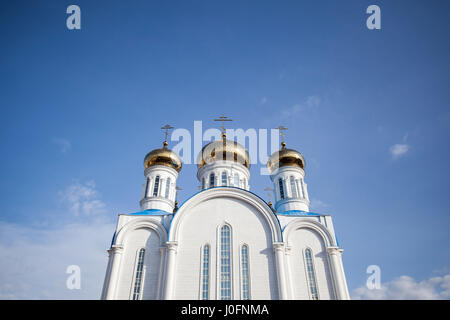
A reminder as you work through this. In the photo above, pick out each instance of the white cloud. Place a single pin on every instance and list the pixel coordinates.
(398, 150)
(83, 199)
(311, 103)
(34, 261)
(64, 144)
(406, 288)
(318, 205)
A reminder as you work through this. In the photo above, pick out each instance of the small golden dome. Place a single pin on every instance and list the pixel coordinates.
(163, 157)
(285, 157)
(223, 150)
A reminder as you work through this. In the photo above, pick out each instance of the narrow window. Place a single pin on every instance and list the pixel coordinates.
(167, 187)
(244, 183)
(156, 187)
(303, 188)
(205, 273)
(138, 278)
(280, 182)
(311, 275)
(211, 180)
(224, 178)
(293, 189)
(299, 191)
(245, 275)
(236, 180)
(225, 263)
(203, 183)
(147, 185)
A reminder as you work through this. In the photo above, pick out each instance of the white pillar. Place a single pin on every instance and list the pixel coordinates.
(170, 269)
(116, 251)
(340, 283)
(162, 251)
(278, 248)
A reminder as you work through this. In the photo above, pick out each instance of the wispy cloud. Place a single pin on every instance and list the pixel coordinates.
(406, 288)
(34, 261)
(63, 144)
(318, 205)
(398, 150)
(310, 103)
(83, 199)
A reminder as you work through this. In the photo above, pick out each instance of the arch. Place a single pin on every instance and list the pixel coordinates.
(141, 223)
(321, 230)
(226, 192)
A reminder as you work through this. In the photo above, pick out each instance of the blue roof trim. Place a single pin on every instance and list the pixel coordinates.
(150, 212)
(279, 224)
(299, 213)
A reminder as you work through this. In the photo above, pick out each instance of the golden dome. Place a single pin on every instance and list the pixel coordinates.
(223, 150)
(163, 157)
(285, 157)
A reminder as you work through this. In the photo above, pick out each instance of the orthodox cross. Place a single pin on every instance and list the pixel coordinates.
(281, 129)
(166, 128)
(223, 119)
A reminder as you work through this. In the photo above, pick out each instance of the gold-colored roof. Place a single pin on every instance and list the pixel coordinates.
(285, 157)
(163, 157)
(223, 150)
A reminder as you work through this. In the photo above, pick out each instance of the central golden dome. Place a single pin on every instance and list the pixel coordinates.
(285, 157)
(163, 157)
(223, 150)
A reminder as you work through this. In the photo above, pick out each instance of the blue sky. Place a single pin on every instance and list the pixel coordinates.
(369, 110)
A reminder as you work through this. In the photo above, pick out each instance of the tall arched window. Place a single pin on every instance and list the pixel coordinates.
(203, 183)
(212, 179)
(205, 273)
(312, 283)
(138, 277)
(167, 187)
(156, 187)
(280, 183)
(224, 178)
(293, 189)
(147, 185)
(236, 180)
(225, 263)
(245, 273)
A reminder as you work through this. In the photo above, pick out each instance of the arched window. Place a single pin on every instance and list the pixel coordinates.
(167, 187)
(280, 183)
(312, 283)
(138, 277)
(203, 183)
(212, 179)
(236, 180)
(156, 187)
(245, 273)
(224, 178)
(205, 273)
(293, 189)
(147, 185)
(225, 263)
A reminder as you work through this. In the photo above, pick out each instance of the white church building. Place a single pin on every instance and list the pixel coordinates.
(224, 242)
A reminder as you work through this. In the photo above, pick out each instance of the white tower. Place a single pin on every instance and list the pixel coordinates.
(223, 163)
(287, 173)
(161, 172)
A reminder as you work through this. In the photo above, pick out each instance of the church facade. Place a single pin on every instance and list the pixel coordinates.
(224, 242)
